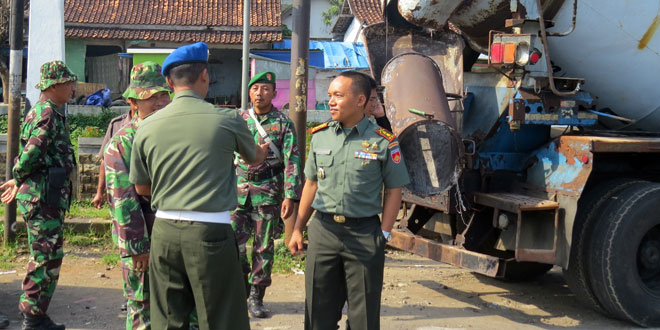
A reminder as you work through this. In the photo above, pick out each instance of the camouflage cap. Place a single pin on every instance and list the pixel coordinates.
(146, 80)
(54, 72)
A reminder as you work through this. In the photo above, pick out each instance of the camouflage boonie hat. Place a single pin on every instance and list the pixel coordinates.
(54, 72)
(146, 80)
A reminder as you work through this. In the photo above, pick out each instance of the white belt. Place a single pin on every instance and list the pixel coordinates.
(215, 217)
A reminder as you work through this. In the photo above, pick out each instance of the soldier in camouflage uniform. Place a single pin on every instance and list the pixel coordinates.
(42, 187)
(264, 187)
(132, 215)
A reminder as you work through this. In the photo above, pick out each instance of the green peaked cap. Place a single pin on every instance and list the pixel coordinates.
(263, 77)
(146, 80)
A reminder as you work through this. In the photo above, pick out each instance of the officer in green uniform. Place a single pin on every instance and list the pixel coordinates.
(350, 160)
(42, 187)
(182, 156)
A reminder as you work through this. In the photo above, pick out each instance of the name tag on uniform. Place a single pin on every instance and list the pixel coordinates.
(366, 155)
(322, 151)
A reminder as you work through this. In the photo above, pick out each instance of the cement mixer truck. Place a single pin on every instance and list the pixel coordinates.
(531, 132)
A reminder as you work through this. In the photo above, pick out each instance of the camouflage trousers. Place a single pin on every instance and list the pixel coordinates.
(264, 222)
(44, 227)
(136, 291)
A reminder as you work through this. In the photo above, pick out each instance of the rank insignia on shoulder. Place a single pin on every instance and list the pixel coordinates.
(393, 145)
(320, 127)
(396, 155)
(385, 133)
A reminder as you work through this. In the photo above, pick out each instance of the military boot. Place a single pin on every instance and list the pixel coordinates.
(40, 322)
(256, 302)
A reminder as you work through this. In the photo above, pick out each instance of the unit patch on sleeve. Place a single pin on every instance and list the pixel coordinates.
(396, 155)
(385, 133)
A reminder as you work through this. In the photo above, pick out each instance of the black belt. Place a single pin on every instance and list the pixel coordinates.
(258, 176)
(344, 219)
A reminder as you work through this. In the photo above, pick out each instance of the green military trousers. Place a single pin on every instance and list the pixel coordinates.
(44, 226)
(195, 265)
(344, 263)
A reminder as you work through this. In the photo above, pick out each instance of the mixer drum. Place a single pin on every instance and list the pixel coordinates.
(431, 147)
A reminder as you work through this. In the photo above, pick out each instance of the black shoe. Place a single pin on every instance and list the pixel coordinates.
(123, 307)
(40, 322)
(256, 302)
(4, 321)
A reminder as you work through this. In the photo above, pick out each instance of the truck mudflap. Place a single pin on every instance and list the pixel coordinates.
(449, 254)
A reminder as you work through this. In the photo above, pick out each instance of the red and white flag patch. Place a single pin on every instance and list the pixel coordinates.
(396, 155)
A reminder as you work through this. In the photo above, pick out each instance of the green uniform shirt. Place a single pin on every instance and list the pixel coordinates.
(351, 166)
(185, 151)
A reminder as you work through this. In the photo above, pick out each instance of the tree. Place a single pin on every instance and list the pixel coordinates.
(332, 12)
(4, 42)
(5, 11)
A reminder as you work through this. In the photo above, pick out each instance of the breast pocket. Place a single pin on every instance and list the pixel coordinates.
(323, 166)
(365, 170)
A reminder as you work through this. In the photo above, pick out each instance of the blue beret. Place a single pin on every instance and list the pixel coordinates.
(195, 53)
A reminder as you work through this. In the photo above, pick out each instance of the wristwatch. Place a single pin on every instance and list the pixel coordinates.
(388, 236)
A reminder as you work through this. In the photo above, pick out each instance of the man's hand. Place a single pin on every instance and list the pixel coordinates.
(377, 110)
(11, 189)
(141, 262)
(262, 153)
(287, 208)
(296, 242)
(99, 200)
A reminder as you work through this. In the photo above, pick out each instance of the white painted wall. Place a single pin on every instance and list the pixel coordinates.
(46, 40)
(354, 32)
(316, 27)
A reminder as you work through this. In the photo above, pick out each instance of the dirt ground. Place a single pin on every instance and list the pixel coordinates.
(418, 294)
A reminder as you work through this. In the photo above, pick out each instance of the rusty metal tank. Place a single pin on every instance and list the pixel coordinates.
(418, 110)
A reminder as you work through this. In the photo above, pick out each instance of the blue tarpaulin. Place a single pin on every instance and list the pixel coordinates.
(333, 55)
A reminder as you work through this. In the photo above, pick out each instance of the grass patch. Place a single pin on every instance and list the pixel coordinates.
(285, 262)
(10, 253)
(8, 256)
(79, 209)
(90, 238)
(85, 209)
(111, 259)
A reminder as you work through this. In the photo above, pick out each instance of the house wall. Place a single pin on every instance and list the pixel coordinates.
(317, 29)
(354, 33)
(140, 58)
(225, 76)
(282, 72)
(75, 57)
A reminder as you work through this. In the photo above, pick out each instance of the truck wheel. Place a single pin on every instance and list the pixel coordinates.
(625, 261)
(589, 210)
(517, 271)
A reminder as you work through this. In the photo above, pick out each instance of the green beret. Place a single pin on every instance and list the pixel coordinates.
(264, 77)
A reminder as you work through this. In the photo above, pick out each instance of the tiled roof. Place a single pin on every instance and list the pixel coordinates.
(367, 11)
(211, 21)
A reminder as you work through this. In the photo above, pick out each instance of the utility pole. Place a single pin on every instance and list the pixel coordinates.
(245, 77)
(298, 86)
(14, 113)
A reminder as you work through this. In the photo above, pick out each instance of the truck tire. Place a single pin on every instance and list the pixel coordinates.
(625, 261)
(589, 210)
(517, 271)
